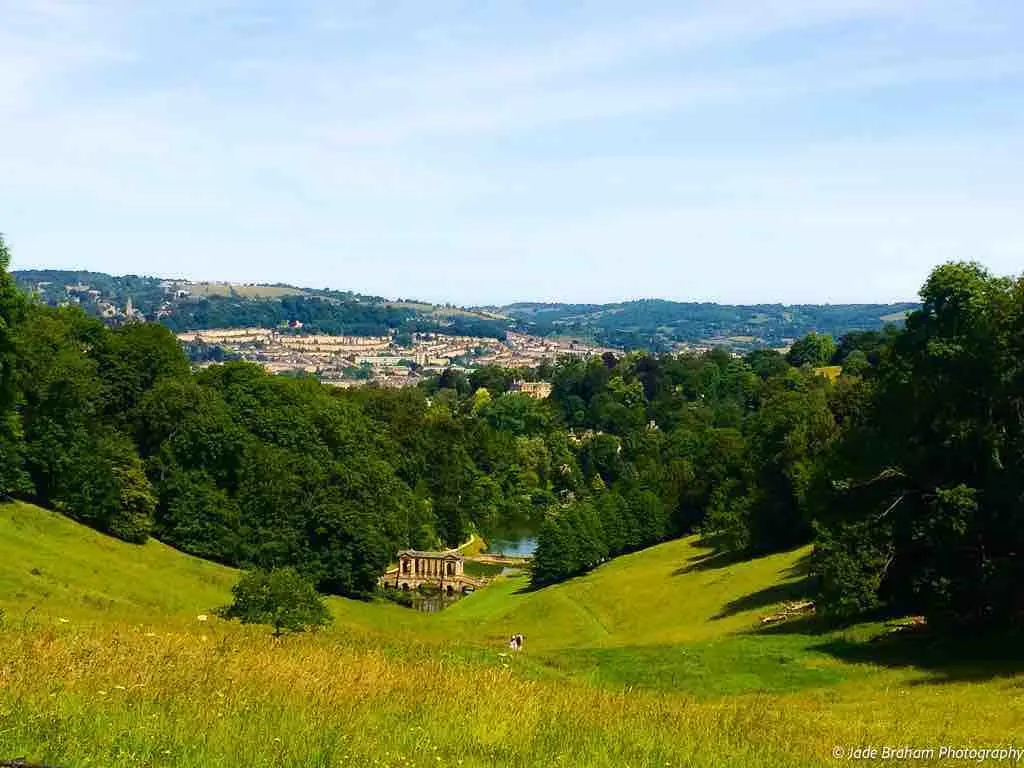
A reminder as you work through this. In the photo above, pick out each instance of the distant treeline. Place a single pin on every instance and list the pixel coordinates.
(316, 315)
(906, 470)
(655, 324)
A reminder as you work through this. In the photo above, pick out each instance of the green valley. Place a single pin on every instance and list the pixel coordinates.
(656, 658)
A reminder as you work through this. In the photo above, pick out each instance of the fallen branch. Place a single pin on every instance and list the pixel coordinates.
(19, 762)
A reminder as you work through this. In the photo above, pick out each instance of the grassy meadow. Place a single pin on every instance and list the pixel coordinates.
(655, 659)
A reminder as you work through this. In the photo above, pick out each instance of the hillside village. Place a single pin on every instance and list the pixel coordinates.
(393, 359)
(347, 361)
(514, 335)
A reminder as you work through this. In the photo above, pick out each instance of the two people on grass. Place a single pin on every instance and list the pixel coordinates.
(515, 642)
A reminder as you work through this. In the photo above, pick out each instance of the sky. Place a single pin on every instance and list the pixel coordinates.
(796, 151)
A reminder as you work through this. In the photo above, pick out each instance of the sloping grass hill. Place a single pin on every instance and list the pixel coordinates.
(56, 567)
(655, 659)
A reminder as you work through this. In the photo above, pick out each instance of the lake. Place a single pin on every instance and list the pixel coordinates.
(516, 538)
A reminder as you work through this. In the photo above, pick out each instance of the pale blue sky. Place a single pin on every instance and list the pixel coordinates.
(484, 152)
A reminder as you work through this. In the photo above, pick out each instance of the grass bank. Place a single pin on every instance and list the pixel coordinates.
(654, 659)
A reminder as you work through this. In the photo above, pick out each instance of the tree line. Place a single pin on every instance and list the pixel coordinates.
(111, 427)
(655, 324)
(906, 471)
(902, 462)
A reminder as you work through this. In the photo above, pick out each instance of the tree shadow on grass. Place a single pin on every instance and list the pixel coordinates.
(801, 568)
(788, 591)
(950, 658)
(709, 561)
(947, 656)
(810, 624)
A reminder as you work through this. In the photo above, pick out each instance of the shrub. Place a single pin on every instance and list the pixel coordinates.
(280, 598)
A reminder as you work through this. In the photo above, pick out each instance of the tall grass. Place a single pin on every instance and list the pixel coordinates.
(232, 696)
(648, 661)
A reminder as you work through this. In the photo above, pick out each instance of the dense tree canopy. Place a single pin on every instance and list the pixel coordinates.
(12, 306)
(905, 471)
(813, 349)
(925, 511)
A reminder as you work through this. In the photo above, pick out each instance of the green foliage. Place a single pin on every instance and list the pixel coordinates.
(494, 379)
(813, 350)
(580, 535)
(727, 525)
(906, 468)
(280, 598)
(12, 307)
(931, 463)
(132, 359)
(851, 560)
(102, 483)
(788, 434)
(517, 414)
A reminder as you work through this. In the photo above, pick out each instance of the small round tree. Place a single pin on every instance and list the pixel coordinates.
(280, 598)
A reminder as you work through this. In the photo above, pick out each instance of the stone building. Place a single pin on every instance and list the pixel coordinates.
(442, 570)
(537, 389)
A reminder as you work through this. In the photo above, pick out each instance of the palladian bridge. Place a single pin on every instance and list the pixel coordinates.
(442, 570)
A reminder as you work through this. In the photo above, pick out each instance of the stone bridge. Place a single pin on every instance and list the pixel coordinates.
(442, 570)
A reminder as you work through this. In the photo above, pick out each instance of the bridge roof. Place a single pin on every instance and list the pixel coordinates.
(452, 553)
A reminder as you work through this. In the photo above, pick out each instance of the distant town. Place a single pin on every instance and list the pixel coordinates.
(349, 339)
(395, 359)
(348, 361)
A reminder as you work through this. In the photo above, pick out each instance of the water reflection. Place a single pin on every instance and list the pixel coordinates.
(518, 547)
(514, 538)
(433, 603)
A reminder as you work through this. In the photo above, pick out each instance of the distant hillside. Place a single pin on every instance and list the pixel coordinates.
(660, 325)
(183, 305)
(654, 324)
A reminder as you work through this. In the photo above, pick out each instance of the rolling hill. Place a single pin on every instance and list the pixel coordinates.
(656, 658)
